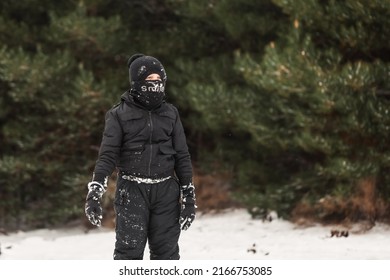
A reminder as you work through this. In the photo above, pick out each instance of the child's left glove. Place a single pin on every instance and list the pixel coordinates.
(187, 215)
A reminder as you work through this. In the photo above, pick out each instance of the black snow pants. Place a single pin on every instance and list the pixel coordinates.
(147, 212)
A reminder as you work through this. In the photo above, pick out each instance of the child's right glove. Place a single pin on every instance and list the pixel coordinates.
(93, 207)
(187, 215)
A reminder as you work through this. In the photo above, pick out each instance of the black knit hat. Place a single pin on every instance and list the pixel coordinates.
(141, 66)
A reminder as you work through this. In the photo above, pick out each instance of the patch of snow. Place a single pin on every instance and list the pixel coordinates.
(232, 235)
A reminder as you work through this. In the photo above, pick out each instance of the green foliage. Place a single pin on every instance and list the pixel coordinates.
(53, 106)
(290, 97)
(322, 108)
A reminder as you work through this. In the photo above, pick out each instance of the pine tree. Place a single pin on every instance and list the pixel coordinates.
(324, 114)
(206, 83)
(290, 97)
(62, 66)
(54, 94)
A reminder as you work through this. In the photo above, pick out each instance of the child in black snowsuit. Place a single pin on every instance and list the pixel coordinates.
(144, 139)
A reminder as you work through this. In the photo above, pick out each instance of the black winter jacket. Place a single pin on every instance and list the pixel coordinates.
(148, 144)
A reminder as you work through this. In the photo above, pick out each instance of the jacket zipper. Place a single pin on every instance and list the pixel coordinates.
(150, 141)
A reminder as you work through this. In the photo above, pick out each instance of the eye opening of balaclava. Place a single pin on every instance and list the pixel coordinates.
(148, 93)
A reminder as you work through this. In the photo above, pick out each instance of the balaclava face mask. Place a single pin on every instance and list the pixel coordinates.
(148, 93)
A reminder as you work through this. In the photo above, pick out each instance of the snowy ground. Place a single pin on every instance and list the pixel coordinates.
(229, 236)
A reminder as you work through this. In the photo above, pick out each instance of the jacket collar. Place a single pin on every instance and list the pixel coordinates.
(129, 100)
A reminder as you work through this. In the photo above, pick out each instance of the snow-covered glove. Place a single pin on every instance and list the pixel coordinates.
(93, 207)
(187, 215)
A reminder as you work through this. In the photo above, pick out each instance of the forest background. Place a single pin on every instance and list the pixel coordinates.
(285, 103)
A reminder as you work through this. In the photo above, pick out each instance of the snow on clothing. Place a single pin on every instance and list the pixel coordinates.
(142, 143)
(147, 212)
(145, 145)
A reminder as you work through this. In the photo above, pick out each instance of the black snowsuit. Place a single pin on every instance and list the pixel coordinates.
(145, 144)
